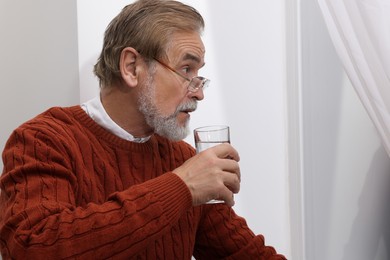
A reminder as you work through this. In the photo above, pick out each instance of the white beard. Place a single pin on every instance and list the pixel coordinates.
(166, 126)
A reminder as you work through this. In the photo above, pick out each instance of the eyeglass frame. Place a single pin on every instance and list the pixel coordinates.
(204, 82)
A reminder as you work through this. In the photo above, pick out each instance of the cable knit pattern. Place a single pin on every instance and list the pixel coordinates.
(71, 189)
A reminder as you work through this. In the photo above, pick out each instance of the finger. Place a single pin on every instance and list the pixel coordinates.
(232, 167)
(231, 181)
(229, 199)
(226, 150)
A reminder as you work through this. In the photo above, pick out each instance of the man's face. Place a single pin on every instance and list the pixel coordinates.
(165, 100)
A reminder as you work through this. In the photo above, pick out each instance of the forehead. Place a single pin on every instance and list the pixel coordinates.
(186, 46)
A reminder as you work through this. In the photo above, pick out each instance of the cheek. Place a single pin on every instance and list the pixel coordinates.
(167, 103)
(169, 94)
(169, 98)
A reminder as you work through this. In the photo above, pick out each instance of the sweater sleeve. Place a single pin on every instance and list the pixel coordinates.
(39, 222)
(225, 235)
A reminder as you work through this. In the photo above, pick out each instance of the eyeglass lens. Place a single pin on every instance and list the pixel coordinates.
(197, 83)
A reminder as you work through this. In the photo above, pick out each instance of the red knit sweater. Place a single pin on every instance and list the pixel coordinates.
(71, 189)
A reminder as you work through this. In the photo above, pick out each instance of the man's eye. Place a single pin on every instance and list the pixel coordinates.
(186, 70)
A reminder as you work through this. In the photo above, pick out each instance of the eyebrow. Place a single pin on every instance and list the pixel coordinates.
(189, 56)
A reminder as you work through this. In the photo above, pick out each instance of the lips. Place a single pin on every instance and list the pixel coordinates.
(188, 111)
(188, 107)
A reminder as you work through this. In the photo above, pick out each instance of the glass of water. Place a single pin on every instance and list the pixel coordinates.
(209, 136)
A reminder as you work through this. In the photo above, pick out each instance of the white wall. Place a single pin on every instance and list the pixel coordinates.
(245, 59)
(38, 60)
(346, 170)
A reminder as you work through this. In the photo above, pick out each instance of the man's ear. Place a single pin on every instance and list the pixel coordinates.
(129, 66)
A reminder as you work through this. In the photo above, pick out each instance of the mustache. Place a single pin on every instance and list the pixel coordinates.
(187, 107)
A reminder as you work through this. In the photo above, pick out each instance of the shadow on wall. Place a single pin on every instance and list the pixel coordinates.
(371, 226)
(322, 105)
(89, 83)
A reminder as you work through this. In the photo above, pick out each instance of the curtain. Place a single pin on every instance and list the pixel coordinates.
(360, 31)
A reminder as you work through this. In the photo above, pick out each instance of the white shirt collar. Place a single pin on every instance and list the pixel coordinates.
(94, 108)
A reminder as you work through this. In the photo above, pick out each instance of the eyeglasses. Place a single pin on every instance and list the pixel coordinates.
(194, 84)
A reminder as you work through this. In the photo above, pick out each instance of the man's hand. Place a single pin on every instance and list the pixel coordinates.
(212, 174)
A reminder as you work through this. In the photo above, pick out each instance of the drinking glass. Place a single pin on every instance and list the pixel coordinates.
(209, 136)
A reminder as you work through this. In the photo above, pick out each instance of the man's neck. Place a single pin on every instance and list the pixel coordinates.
(122, 108)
